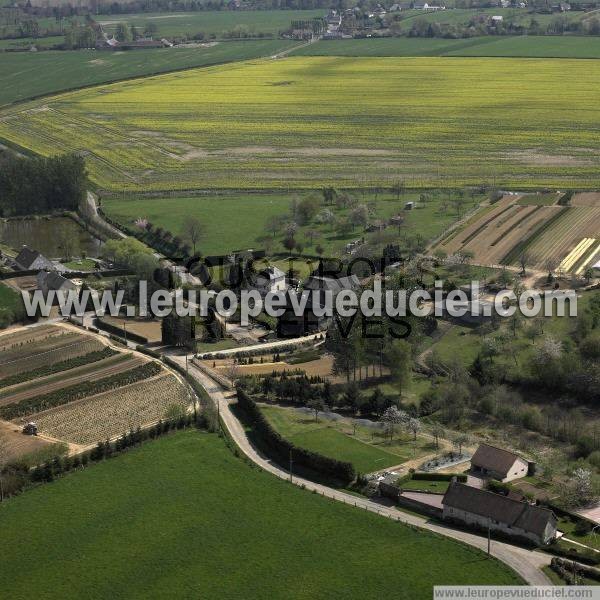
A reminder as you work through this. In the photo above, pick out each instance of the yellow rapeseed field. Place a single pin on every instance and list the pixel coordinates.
(305, 122)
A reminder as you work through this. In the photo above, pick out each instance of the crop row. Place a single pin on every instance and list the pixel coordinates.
(77, 392)
(37, 345)
(106, 415)
(61, 350)
(564, 233)
(27, 335)
(64, 365)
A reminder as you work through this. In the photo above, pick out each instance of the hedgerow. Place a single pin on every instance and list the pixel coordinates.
(280, 448)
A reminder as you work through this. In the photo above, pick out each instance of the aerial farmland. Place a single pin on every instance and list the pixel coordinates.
(536, 224)
(306, 122)
(78, 388)
(179, 170)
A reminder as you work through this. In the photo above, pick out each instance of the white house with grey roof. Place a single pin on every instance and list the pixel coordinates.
(47, 281)
(271, 280)
(483, 509)
(497, 463)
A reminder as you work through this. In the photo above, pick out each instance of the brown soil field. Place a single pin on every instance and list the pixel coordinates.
(67, 380)
(475, 225)
(151, 330)
(113, 413)
(47, 352)
(15, 339)
(317, 368)
(586, 199)
(565, 233)
(18, 444)
(56, 376)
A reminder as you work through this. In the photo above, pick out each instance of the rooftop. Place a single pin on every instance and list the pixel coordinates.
(499, 508)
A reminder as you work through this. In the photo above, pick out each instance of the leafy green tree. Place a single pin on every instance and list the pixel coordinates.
(150, 29)
(122, 32)
(398, 359)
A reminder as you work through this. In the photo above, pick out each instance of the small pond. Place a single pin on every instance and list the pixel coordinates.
(49, 236)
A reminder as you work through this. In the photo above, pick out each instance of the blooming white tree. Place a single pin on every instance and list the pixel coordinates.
(414, 426)
(581, 488)
(550, 349)
(392, 417)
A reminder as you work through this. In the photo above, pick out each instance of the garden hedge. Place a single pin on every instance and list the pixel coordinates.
(280, 448)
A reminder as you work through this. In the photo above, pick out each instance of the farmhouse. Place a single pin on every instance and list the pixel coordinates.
(313, 319)
(32, 260)
(596, 269)
(498, 463)
(47, 281)
(270, 279)
(482, 509)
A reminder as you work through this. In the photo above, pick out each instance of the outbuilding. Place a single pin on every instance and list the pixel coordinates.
(500, 464)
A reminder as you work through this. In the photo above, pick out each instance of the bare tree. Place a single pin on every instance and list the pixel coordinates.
(398, 188)
(232, 372)
(459, 441)
(438, 432)
(550, 265)
(192, 232)
(526, 258)
(414, 426)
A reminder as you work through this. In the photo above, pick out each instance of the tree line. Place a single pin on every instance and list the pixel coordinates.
(40, 185)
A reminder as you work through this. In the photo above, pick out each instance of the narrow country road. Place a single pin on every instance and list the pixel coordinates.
(526, 563)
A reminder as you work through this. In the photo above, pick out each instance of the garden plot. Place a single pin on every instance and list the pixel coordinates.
(37, 353)
(496, 233)
(42, 386)
(113, 413)
(591, 199)
(18, 444)
(555, 242)
(476, 225)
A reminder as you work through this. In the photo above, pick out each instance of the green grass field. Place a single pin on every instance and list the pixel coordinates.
(230, 222)
(182, 518)
(211, 22)
(27, 75)
(492, 46)
(369, 450)
(305, 122)
(235, 222)
(437, 487)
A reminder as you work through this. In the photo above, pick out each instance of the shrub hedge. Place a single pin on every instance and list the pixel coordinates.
(461, 477)
(280, 448)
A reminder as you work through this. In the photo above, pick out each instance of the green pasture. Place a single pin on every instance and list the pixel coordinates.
(173, 518)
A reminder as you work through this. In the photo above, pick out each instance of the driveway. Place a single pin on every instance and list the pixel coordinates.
(434, 500)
